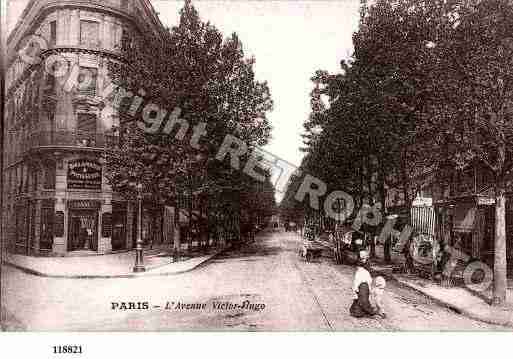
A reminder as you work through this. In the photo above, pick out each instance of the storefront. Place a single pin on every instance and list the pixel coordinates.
(77, 215)
(83, 225)
(466, 224)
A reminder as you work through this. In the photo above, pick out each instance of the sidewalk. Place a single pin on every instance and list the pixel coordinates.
(459, 299)
(119, 265)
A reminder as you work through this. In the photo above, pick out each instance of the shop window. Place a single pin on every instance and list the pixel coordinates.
(118, 226)
(53, 33)
(32, 220)
(21, 236)
(58, 225)
(89, 33)
(87, 80)
(47, 223)
(49, 178)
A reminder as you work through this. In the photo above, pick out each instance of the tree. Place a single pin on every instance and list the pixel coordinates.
(193, 69)
(472, 106)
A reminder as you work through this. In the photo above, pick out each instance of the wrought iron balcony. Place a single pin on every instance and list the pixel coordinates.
(68, 139)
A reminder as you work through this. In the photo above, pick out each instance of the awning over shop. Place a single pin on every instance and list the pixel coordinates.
(464, 218)
(184, 215)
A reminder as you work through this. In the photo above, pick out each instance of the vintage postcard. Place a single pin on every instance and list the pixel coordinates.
(257, 166)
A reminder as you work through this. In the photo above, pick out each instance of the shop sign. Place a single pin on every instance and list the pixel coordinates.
(485, 201)
(83, 204)
(84, 174)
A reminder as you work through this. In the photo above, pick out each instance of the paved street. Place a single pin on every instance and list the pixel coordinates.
(297, 296)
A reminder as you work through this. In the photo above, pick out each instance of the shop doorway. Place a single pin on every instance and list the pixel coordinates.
(83, 230)
(118, 230)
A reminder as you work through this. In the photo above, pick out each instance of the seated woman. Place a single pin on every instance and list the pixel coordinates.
(361, 306)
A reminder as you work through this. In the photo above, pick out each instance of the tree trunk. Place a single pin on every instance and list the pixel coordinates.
(176, 232)
(208, 228)
(500, 260)
(382, 198)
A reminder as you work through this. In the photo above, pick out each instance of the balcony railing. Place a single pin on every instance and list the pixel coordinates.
(68, 138)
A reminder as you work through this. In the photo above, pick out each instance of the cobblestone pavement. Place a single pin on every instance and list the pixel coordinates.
(297, 296)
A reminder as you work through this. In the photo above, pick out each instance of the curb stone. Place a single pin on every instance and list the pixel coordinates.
(108, 276)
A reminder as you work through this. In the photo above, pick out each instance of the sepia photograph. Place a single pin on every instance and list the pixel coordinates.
(256, 166)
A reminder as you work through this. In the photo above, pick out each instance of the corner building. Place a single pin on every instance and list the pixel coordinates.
(57, 199)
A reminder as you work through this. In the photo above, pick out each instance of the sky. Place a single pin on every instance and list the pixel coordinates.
(290, 40)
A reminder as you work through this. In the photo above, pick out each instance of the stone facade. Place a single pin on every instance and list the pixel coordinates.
(57, 198)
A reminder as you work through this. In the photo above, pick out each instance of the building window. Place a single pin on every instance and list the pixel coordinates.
(15, 109)
(26, 178)
(21, 178)
(53, 33)
(10, 115)
(89, 33)
(24, 95)
(50, 84)
(8, 180)
(124, 4)
(87, 81)
(86, 129)
(35, 175)
(86, 123)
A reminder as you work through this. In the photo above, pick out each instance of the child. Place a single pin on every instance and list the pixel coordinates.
(378, 292)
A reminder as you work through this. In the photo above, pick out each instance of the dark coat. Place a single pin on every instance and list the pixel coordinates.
(362, 307)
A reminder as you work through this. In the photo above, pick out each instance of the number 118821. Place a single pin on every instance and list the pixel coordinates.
(67, 349)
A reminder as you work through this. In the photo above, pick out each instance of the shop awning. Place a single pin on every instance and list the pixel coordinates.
(184, 215)
(464, 218)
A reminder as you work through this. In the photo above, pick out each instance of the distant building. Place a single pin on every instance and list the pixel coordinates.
(57, 198)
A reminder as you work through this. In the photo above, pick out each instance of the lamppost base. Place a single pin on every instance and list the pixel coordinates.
(139, 269)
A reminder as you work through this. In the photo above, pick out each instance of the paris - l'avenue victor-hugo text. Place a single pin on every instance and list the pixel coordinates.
(186, 306)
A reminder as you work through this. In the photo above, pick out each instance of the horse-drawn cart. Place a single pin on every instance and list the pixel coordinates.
(310, 251)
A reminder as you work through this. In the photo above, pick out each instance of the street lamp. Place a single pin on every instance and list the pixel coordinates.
(139, 264)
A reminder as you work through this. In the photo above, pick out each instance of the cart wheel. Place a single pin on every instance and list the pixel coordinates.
(338, 253)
